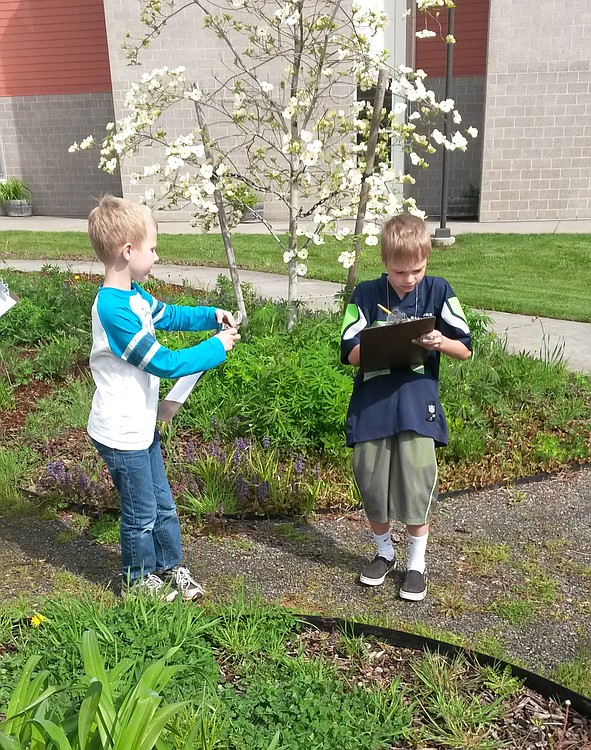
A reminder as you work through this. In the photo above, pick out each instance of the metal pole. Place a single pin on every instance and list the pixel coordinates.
(443, 230)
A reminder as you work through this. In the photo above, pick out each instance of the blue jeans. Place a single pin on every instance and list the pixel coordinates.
(150, 529)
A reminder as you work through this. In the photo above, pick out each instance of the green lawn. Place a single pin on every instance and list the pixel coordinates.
(539, 274)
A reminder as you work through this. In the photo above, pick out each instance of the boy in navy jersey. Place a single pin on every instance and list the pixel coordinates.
(127, 363)
(395, 419)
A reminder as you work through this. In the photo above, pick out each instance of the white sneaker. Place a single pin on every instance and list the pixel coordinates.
(180, 578)
(151, 585)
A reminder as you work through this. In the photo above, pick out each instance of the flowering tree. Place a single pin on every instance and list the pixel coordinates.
(284, 121)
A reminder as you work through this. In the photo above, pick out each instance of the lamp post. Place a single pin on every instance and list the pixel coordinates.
(443, 235)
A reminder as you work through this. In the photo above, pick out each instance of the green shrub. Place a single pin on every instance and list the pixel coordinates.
(316, 710)
(51, 303)
(290, 387)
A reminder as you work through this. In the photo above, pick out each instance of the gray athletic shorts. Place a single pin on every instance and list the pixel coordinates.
(397, 478)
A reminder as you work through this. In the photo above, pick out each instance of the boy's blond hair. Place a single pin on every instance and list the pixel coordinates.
(405, 238)
(114, 222)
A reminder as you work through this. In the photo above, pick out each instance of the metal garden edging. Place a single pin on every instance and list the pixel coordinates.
(541, 685)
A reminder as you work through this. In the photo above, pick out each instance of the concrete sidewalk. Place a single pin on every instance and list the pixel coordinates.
(540, 337)
(64, 224)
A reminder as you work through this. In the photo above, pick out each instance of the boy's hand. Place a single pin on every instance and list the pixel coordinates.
(225, 318)
(430, 341)
(228, 337)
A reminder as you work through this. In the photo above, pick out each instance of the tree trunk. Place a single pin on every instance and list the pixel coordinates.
(292, 287)
(223, 219)
(372, 143)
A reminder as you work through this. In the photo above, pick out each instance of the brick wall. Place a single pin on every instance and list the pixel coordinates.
(36, 132)
(537, 140)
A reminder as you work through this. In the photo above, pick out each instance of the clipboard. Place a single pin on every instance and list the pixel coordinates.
(384, 347)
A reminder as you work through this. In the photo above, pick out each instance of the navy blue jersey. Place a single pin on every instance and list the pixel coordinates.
(387, 402)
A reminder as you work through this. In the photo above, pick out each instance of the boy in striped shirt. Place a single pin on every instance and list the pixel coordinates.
(127, 363)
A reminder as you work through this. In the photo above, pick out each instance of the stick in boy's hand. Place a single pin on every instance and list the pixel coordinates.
(229, 323)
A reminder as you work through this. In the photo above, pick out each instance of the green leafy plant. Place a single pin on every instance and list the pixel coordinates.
(244, 477)
(241, 196)
(13, 189)
(117, 709)
(317, 710)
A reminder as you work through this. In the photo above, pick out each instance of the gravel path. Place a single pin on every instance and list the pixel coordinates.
(510, 568)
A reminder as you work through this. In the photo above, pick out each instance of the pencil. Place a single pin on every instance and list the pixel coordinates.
(385, 309)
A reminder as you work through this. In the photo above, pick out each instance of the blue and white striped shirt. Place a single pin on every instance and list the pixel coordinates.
(127, 361)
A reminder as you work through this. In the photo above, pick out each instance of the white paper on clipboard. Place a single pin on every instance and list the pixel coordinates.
(7, 300)
(177, 396)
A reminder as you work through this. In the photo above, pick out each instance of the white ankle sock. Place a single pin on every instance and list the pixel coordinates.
(384, 543)
(417, 546)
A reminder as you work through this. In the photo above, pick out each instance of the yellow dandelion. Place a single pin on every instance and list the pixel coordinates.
(76, 278)
(37, 620)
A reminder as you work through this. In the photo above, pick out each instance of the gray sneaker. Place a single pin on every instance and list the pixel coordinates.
(375, 573)
(181, 580)
(150, 585)
(414, 586)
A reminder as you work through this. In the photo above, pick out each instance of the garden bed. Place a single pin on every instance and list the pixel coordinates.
(254, 676)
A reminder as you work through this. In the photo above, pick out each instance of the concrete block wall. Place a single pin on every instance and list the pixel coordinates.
(537, 138)
(464, 166)
(184, 42)
(36, 132)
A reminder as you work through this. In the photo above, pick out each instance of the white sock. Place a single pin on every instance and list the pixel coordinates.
(417, 546)
(384, 543)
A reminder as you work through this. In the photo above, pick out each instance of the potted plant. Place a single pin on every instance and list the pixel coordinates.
(15, 196)
(245, 201)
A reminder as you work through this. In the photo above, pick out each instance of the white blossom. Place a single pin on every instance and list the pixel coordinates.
(175, 162)
(472, 131)
(424, 33)
(87, 143)
(347, 258)
(457, 117)
(301, 269)
(371, 240)
(266, 87)
(459, 140)
(340, 234)
(438, 136)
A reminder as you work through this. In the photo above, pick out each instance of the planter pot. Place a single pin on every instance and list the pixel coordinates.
(18, 208)
(250, 215)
